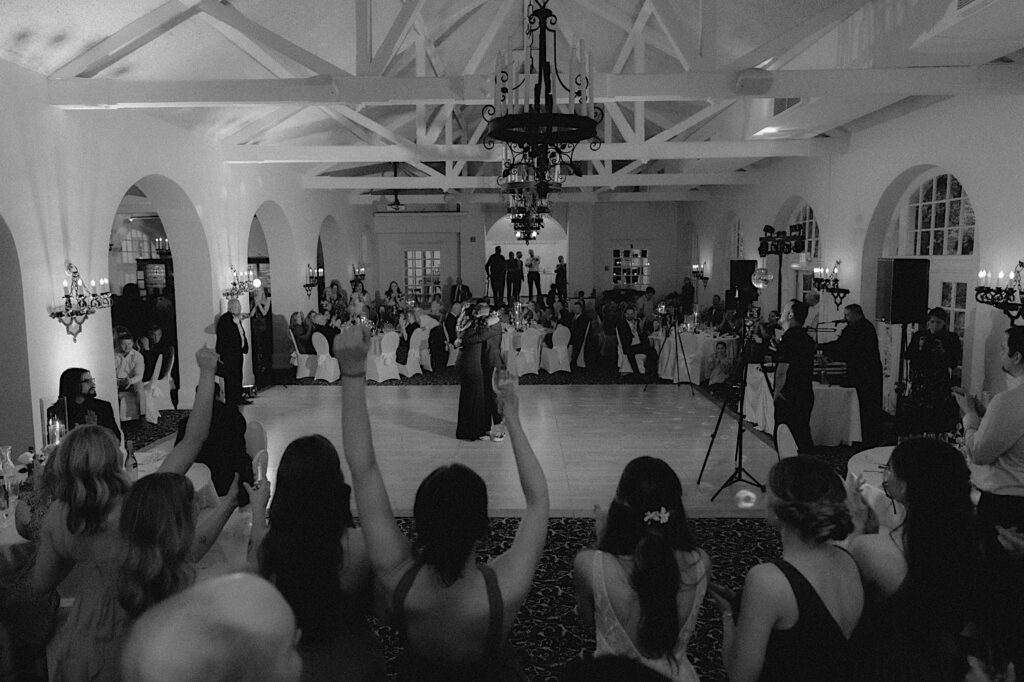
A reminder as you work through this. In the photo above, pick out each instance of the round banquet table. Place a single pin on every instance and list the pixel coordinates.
(696, 347)
(835, 419)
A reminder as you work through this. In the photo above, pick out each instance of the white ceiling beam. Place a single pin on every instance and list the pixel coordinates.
(364, 29)
(499, 10)
(138, 33)
(617, 17)
(781, 49)
(689, 122)
(461, 152)
(267, 38)
(491, 182)
(396, 35)
(612, 109)
(95, 93)
(633, 37)
(674, 30)
(387, 134)
(584, 196)
(253, 129)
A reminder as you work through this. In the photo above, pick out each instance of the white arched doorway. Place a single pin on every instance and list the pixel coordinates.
(551, 242)
(15, 408)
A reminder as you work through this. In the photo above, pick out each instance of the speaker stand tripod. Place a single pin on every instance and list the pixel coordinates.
(739, 473)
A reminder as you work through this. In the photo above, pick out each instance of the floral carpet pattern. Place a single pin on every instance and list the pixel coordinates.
(547, 633)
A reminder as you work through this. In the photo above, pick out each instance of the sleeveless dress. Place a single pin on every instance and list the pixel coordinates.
(612, 638)
(815, 648)
(498, 663)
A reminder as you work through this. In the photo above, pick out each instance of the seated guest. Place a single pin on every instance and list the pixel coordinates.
(129, 368)
(921, 577)
(322, 324)
(227, 629)
(307, 545)
(156, 345)
(635, 342)
(82, 528)
(642, 587)
(713, 315)
(302, 330)
(559, 314)
(453, 614)
(578, 324)
(407, 324)
(437, 307)
(731, 324)
(797, 613)
(359, 298)
(77, 394)
(226, 449)
(718, 367)
(159, 525)
(394, 302)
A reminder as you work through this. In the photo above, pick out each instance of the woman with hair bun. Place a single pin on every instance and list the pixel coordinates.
(920, 577)
(642, 587)
(797, 613)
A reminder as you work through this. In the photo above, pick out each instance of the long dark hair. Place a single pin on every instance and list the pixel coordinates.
(451, 516)
(940, 537)
(70, 385)
(158, 523)
(301, 553)
(647, 521)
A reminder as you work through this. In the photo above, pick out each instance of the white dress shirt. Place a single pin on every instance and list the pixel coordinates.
(995, 444)
(130, 366)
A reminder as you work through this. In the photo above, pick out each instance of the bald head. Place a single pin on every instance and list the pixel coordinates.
(234, 307)
(236, 627)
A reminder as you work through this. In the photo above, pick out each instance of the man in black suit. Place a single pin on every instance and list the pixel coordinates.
(78, 392)
(857, 346)
(496, 269)
(577, 333)
(232, 344)
(460, 292)
(634, 342)
(794, 394)
(450, 324)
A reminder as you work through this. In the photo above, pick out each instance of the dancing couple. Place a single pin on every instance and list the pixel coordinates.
(479, 338)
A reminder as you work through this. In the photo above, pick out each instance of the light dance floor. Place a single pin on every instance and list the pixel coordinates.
(582, 434)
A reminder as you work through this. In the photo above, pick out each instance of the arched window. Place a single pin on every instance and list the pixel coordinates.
(804, 217)
(941, 218)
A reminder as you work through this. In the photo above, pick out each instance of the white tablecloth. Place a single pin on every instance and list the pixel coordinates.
(695, 347)
(835, 419)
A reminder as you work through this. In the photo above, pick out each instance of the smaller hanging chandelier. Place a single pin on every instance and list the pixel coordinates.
(1007, 294)
(540, 119)
(827, 281)
(80, 301)
(241, 283)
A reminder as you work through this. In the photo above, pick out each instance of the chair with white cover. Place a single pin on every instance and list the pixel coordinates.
(412, 364)
(305, 364)
(528, 357)
(581, 361)
(785, 444)
(625, 367)
(426, 362)
(326, 365)
(156, 393)
(384, 366)
(556, 358)
(453, 352)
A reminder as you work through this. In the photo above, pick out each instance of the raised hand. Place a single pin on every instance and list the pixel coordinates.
(350, 349)
(259, 493)
(207, 359)
(504, 384)
(90, 417)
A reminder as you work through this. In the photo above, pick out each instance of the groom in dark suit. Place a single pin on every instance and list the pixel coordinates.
(232, 344)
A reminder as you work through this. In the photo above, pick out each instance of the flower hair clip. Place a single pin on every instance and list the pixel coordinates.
(659, 516)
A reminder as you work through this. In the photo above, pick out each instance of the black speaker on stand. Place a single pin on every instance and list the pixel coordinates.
(901, 297)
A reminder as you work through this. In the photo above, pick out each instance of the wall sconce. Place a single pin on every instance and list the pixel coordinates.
(1006, 296)
(314, 276)
(699, 271)
(80, 301)
(241, 283)
(827, 281)
(358, 273)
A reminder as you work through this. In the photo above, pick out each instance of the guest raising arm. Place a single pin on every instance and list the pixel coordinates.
(456, 618)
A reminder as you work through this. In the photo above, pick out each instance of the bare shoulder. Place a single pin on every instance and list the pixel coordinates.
(765, 580)
(582, 565)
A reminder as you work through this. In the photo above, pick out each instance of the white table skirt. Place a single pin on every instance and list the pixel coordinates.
(696, 348)
(835, 419)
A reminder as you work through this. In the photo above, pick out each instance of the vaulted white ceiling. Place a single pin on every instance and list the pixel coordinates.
(344, 89)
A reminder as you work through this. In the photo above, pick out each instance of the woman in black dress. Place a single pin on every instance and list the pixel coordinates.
(934, 354)
(480, 340)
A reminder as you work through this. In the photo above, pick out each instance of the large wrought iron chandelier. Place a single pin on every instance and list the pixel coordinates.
(79, 301)
(540, 119)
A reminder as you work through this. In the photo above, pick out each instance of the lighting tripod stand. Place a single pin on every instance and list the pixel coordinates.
(739, 473)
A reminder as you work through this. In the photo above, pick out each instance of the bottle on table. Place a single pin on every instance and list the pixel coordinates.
(131, 464)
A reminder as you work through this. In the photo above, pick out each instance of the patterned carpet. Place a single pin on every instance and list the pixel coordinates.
(547, 633)
(144, 433)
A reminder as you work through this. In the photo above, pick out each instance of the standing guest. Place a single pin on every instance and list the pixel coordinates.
(453, 614)
(522, 274)
(645, 305)
(857, 346)
(552, 296)
(77, 393)
(81, 530)
(562, 278)
(450, 324)
(261, 324)
(687, 297)
(533, 276)
(480, 341)
(642, 587)
(302, 330)
(130, 311)
(794, 395)
(307, 545)
(407, 324)
(934, 354)
(798, 613)
(495, 269)
(233, 627)
(908, 632)
(129, 368)
(578, 327)
(460, 292)
(436, 307)
(232, 344)
(633, 341)
(511, 270)
(156, 345)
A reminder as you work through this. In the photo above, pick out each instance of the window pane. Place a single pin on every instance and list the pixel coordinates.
(938, 242)
(955, 190)
(967, 246)
(953, 241)
(924, 243)
(926, 217)
(940, 187)
(961, 295)
(954, 213)
(947, 295)
(940, 214)
(967, 213)
(928, 191)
